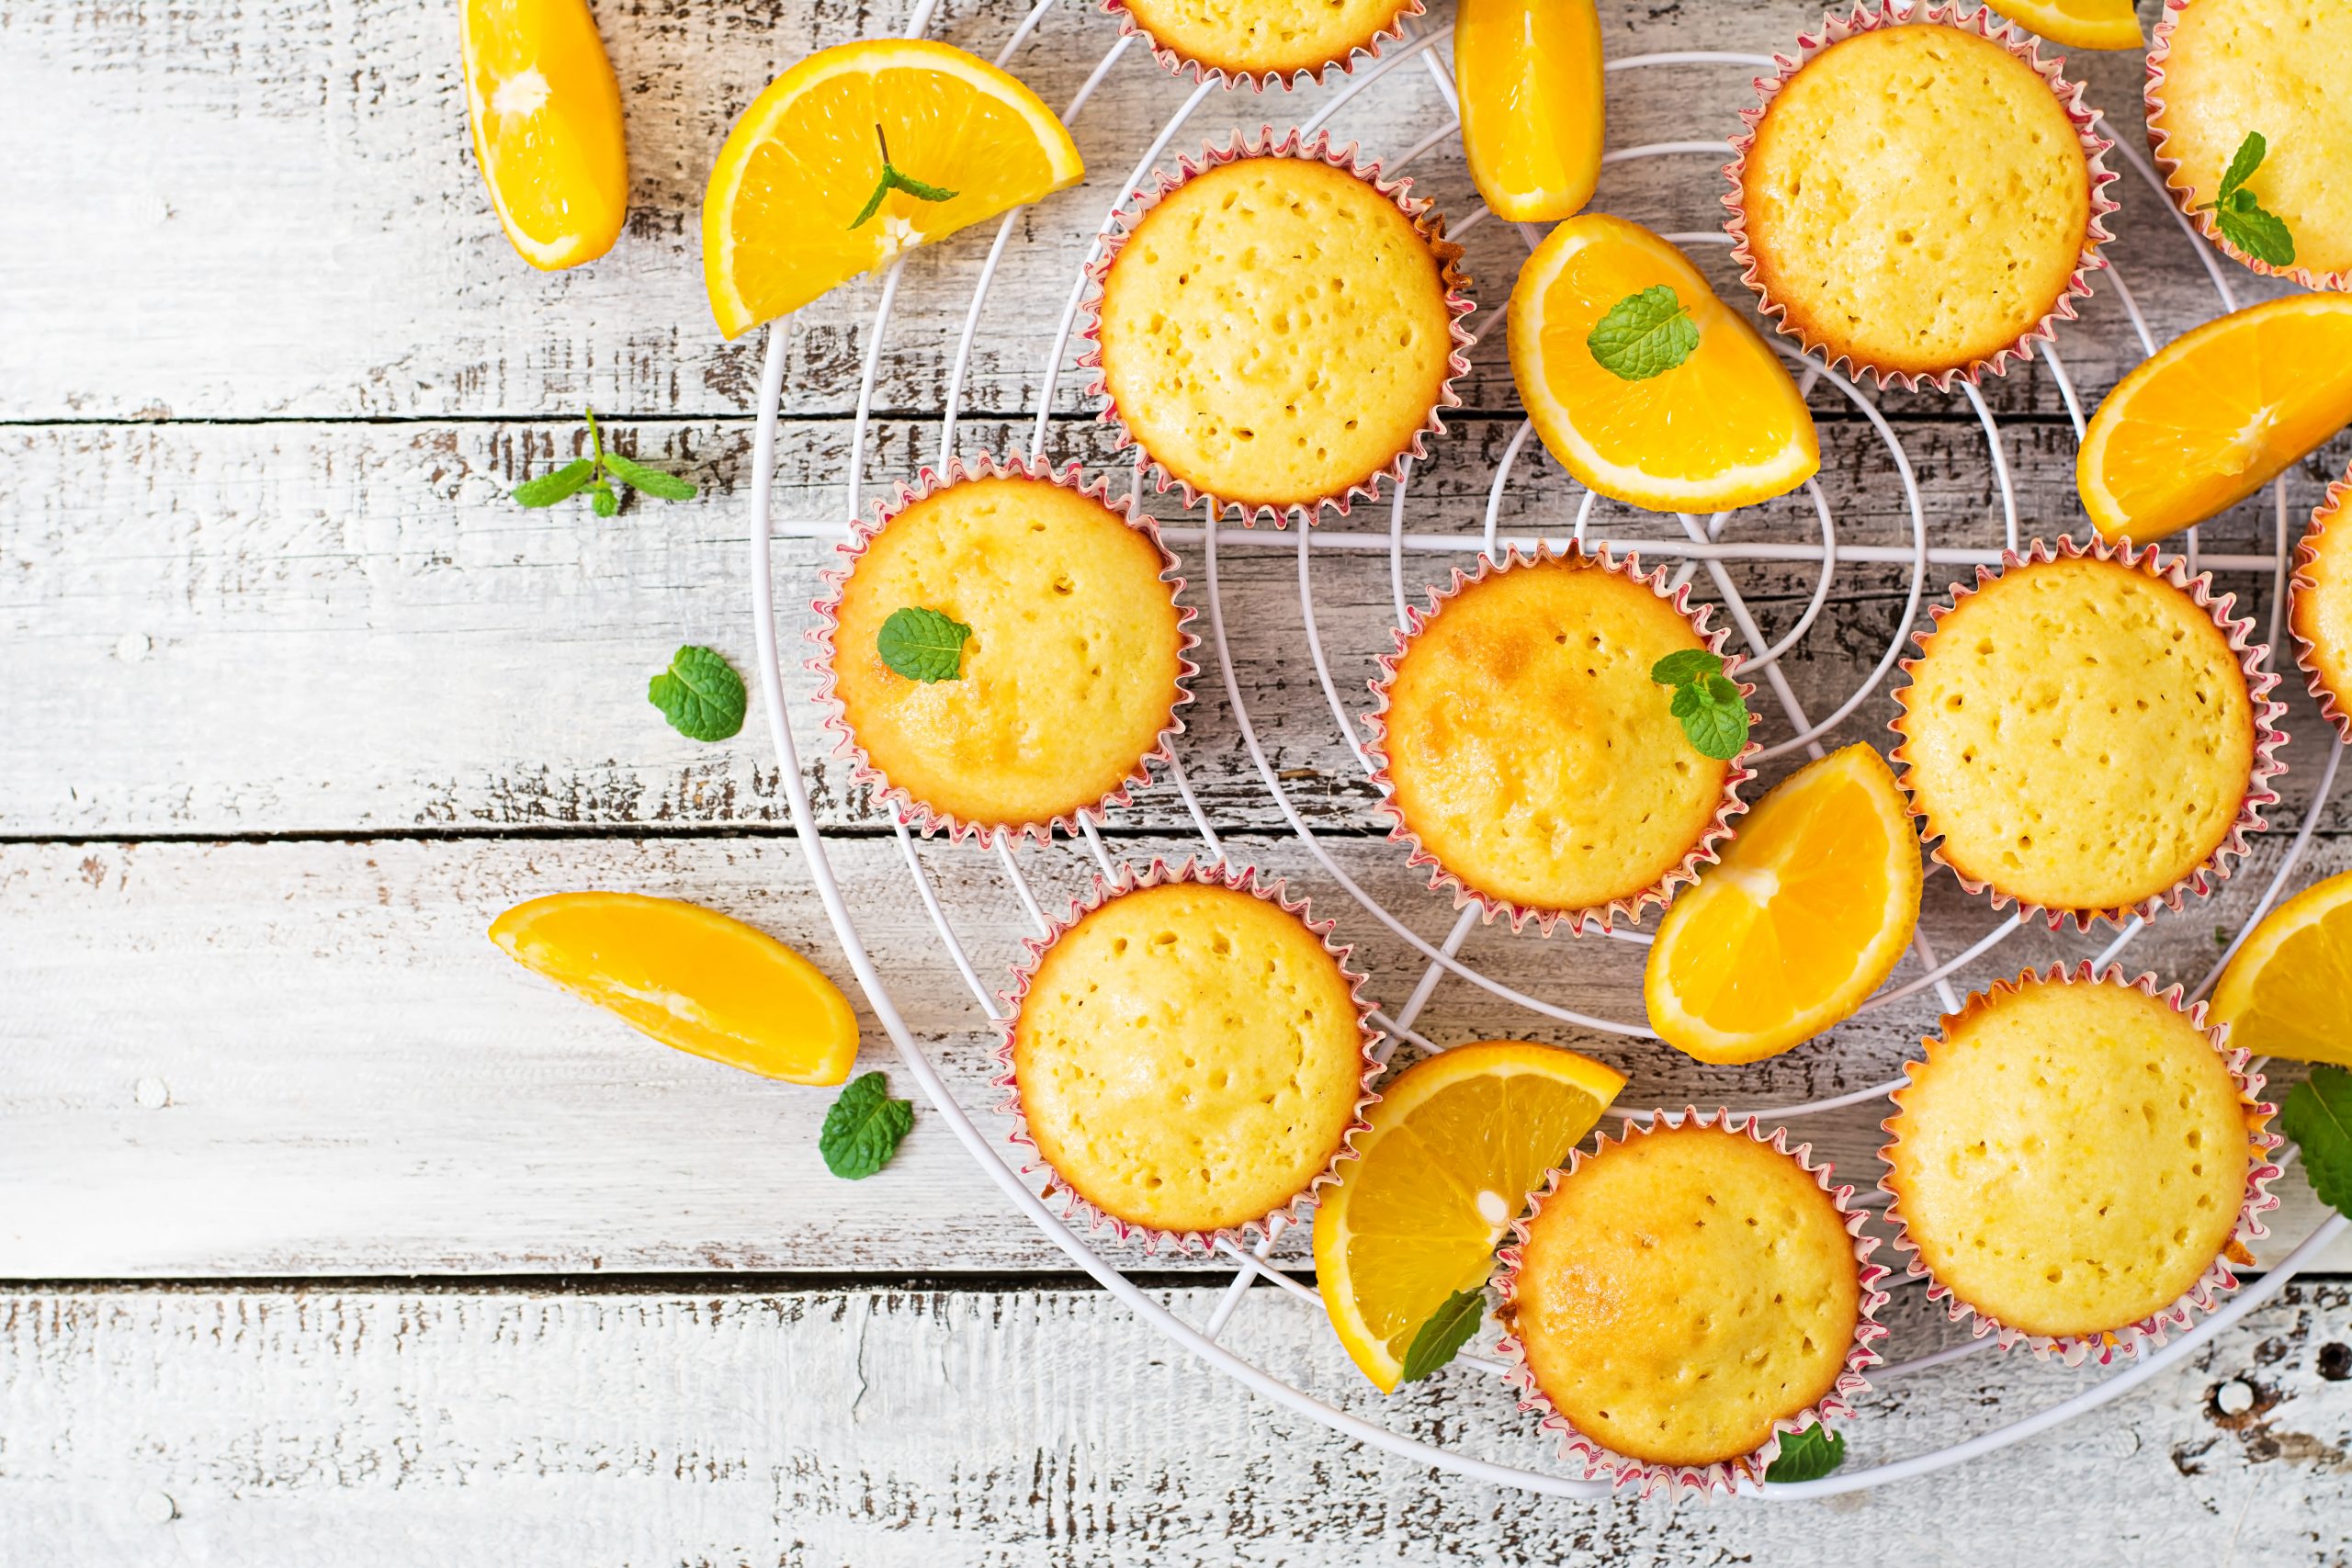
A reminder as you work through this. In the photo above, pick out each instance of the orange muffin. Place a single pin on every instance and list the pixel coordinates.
(2320, 605)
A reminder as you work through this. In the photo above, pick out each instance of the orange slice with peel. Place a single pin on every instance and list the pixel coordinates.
(2289, 991)
(1528, 74)
(690, 977)
(2078, 24)
(1807, 914)
(781, 221)
(1725, 427)
(2217, 414)
(1456, 1144)
(547, 126)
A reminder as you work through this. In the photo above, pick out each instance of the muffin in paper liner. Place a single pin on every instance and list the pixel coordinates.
(2328, 670)
(2218, 1280)
(1425, 220)
(1632, 907)
(1869, 16)
(1725, 1476)
(920, 815)
(1299, 1207)
(1174, 61)
(2168, 166)
(2201, 878)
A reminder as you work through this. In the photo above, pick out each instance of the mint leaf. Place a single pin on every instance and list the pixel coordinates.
(1441, 1337)
(893, 180)
(652, 481)
(2239, 215)
(700, 694)
(2318, 1116)
(549, 488)
(923, 645)
(1808, 1455)
(1714, 713)
(602, 500)
(2243, 162)
(863, 1129)
(1644, 334)
(1686, 664)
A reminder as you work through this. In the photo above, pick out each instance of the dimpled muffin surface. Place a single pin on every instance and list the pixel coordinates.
(2070, 1158)
(1917, 197)
(1530, 750)
(1275, 330)
(2080, 734)
(2274, 66)
(1070, 674)
(1682, 1292)
(1244, 37)
(1188, 1057)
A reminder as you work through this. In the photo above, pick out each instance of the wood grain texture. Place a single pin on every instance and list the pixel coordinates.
(914, 1428)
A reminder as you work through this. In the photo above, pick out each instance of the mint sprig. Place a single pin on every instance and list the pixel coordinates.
(893, 180)
(1644, 334)
(1441, 1339)
(2318, 1116)
(922, 644)
(595, 474)
(863, 1129)
(1714, 712)
(700, 694)
(1807, 1455)
(2243, 219)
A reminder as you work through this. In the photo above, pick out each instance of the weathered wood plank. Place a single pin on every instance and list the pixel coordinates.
(896, 1427)
(303, 1056)
(346, 628)
(181, 286)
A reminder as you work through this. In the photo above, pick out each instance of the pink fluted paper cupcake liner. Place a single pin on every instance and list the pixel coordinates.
(2328, 670)
(1173, 60)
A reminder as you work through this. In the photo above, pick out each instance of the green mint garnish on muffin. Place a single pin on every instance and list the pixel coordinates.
(923, 645)
(2242, 219)
(2318, 1116)
(863, 1129)
(1644, 334)
(700, 694)
(1808, 1455)
(595, 474)
(893, 180)
(1714, 713)
(1441, 1337)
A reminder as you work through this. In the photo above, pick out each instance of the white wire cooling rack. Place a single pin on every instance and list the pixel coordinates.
(1702, 546)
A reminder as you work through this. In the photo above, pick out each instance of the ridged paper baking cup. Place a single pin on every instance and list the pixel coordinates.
(2183, 198)
(2333, 689)
(1631, 906)
(921, 814)
(1869, 17)
(2218, 1280)
(1723, 1476)
(1425, 220)
(1076, 1206)
(2201, 878)
(1177, 62)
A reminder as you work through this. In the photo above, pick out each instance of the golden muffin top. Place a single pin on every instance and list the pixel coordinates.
(1188, 1057)
(2321, 601)
(1275, 330)
(2079, 732)
(2070, 1158)
(1528, 749)
(1245, 37)
(1069, 675)
(1682, 1292)
(2274, 67)
(1917, 197)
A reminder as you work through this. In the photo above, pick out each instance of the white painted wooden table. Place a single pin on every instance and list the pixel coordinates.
(327, 1231)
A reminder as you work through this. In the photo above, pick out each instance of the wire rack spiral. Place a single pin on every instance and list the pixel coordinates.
(1702, 546)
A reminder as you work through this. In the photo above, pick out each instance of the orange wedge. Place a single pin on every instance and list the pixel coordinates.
(1527, 73)
(2218, 413)
(2289, 991)
(1726, 427)
(1456, 1144)
(780, 220)
(547, 126)
(1810, 909)
(690, 977)
(2078, 24)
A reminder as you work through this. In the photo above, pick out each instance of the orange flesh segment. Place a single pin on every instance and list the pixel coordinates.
(546, 115)
(1529, 76)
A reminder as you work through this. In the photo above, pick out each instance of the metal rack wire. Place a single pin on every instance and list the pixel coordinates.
(1702, 546)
